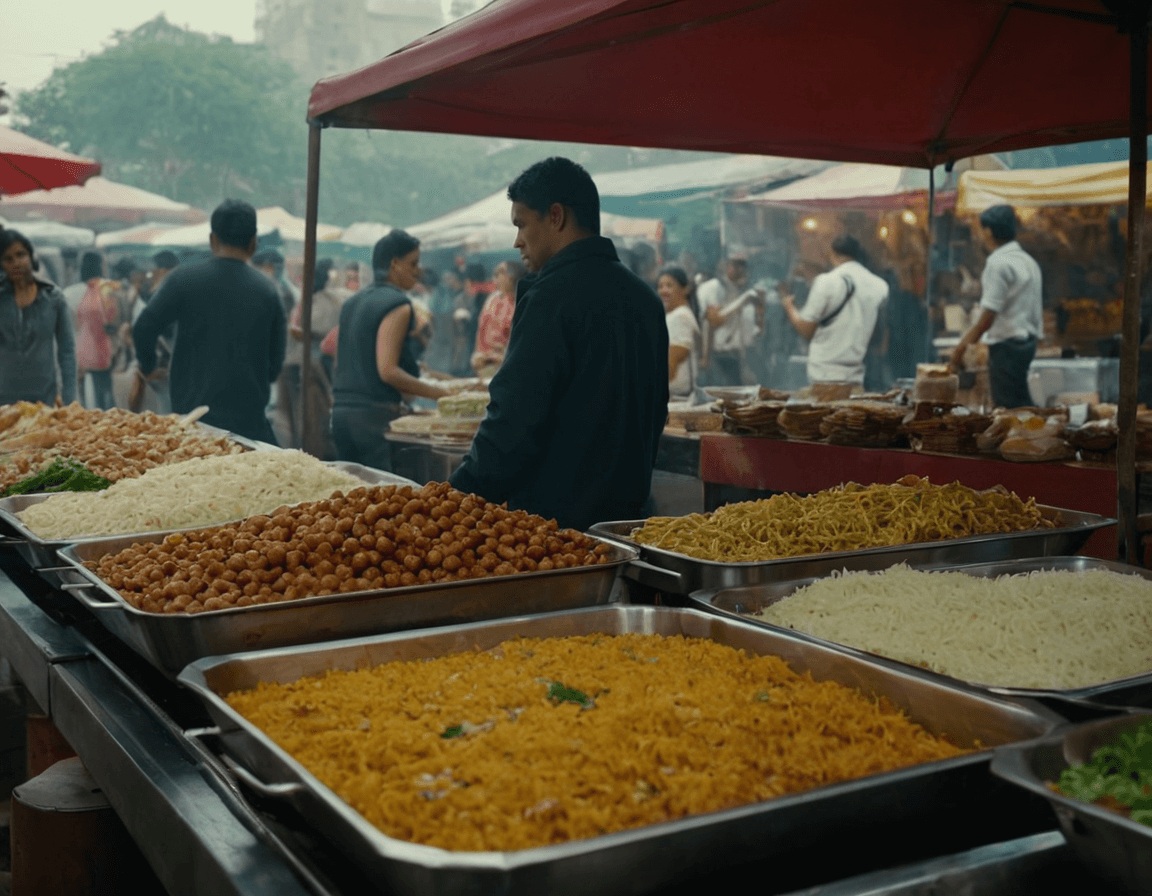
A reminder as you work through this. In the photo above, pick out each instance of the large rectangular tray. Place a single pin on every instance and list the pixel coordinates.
(171, 641)
(646, 858)
(40, 553)
(1135, 689)
(676, 573)
(1118, 849)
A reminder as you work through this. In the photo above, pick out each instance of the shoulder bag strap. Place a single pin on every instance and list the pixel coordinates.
(850, 290)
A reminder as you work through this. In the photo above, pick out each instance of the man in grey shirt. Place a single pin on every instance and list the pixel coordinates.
(1011, 310)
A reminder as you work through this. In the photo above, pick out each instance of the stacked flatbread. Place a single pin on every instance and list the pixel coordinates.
(952, 431)
(870, 424)
(756, 418)
(802, 421)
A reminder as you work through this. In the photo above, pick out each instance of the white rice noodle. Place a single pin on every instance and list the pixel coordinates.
(1049, 629)
(199, 492)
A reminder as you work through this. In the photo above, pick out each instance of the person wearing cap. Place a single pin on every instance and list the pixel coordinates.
(1011, 310)
(230, 329)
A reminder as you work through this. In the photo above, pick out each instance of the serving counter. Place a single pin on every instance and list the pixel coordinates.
(732, 464)
(143, 739)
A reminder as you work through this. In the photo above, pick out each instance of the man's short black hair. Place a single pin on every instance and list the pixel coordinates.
(269, 258)
(1001, 220)
(848, 246)
(557, 179)
(234, 223)
(166, 260)
(396, 244)
(123, 268)
(91, 265)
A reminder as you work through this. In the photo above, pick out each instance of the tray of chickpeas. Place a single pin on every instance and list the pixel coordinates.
(378, 559)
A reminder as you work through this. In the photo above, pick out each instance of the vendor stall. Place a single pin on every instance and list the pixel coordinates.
(226, 810)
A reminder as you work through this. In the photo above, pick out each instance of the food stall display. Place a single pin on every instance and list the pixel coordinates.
(1095, 776)
(371, 538)
(685, 678)
(114, 444)
(1047, 629)
(471, 764)
(199, 492)
(848, 518)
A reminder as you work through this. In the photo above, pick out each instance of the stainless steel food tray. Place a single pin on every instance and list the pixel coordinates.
(40, 553)
(1118, 849)
(171, 641)
(635, 860)
(676, 573)
(739, 602)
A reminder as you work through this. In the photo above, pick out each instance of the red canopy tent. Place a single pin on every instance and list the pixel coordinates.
(26, 164)
(902, 82)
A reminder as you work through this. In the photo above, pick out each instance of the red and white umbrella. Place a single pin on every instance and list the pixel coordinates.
(28, 164)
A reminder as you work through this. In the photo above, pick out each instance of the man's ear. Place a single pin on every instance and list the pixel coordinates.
(557, 216)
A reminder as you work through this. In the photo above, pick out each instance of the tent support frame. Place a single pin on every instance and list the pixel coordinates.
(312, 201)
(1127, 495)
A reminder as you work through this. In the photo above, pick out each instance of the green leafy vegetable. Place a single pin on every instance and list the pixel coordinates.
(1122, 771)
(558, 694)
(62, 475)
(453, 731)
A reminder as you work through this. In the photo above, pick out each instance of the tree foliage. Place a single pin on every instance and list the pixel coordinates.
(183, 114)
(197, 118)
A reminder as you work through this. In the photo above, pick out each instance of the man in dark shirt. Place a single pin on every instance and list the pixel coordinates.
(577, 407)
(230, 329)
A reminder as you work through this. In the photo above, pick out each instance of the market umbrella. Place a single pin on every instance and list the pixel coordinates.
(27, 164)
(904, 82)
(102, 200)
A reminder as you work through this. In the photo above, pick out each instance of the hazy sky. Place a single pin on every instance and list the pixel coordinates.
(38, 37)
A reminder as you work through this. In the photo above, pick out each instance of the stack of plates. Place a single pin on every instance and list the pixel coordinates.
(871, 424)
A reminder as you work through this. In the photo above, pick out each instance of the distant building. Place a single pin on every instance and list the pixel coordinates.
(327, 37)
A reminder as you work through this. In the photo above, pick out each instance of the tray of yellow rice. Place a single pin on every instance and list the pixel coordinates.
(629, 746)
(790, 537)
(1045, 627)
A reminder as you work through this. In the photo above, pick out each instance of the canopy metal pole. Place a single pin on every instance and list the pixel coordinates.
(1127, 497)
(312, 202)
(928, 259)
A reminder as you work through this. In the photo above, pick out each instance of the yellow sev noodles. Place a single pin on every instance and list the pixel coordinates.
(846, 518)
(679, 726)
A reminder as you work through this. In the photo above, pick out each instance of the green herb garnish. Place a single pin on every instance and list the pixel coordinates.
(1122, 771)
(62, 475)
(558, 694)
(453, 731)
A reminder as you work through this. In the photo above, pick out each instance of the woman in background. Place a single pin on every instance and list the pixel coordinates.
(684, 340)
(495, 326)
(35, 330)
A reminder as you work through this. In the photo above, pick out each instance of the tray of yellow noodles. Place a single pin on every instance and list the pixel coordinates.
(629, 746)
(853, 527)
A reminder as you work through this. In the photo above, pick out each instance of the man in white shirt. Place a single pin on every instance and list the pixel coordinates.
(732, 315)
(1011, 310)
(839, 316)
